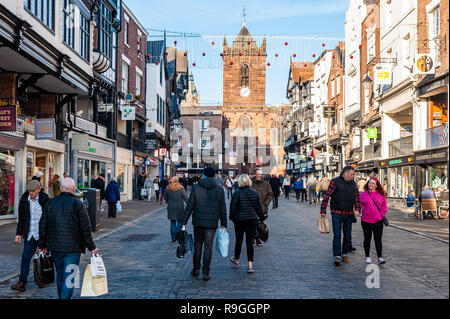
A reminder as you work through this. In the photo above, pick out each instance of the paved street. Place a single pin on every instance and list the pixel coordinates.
(295, 263)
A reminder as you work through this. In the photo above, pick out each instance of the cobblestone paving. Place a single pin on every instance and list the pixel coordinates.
(295, 263)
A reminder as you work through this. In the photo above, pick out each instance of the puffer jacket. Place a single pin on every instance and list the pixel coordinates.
(23, 226)
(206, 204)
(65, 226)
(275, 184)
(264, 190)
(246, 205)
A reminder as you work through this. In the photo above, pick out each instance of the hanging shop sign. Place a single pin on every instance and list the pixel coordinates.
(313, 129)
(335, 158)
(7, 118)
(356, 157)
(151, 144)
(345, 139)
(424, 64)
(292, 155)
(44, 129)
(128, 113)
(372, 133)
(329, 112)
(405, 160)
(366, 165)
(382, 76)
(162, 152)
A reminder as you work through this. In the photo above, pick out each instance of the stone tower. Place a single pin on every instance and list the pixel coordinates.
(244, 71)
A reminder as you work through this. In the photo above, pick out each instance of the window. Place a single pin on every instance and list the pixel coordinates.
(435, 34)
(68, 23)
(244, 76)
(138, 84)
(84, 37)
(204, 143)
(124, 77)
(105, 31)
(332, 88)
(338, 86)
(370, 45)
(157, 108)
(125, 32)
(43, 10)
(204, 125)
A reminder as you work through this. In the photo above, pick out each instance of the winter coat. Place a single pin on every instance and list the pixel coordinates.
(298, 184)
(65, 226)
(23, 226)
(246, 205)
(140, 181)
(148, 182)
(175, 196)
(112, 193)
(206, 204)
(100, 184)
(312, 182)
(324, 184)
(264, 190)
(370, 212)
(275, 184)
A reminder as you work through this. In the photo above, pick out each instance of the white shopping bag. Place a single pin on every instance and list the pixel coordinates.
(222, 241)
(97, 266)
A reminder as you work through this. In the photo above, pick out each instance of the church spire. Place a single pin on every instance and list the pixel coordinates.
(243, 24)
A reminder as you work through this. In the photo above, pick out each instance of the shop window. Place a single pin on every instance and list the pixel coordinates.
(438, 176)
(121, 177)
(7, 182)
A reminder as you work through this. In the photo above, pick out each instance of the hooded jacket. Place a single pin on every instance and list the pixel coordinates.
(206, 204)
(264, 190)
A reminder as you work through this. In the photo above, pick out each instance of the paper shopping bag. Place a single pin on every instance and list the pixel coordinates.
(97, 266)
(324, 225)
(93, 287)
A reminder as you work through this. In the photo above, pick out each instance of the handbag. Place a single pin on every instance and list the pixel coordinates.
(181, 248)
(118, 207)
(262, 231)
(222, 241)
(43, 269)
(324, 225)
(384, 218)
(93, 286)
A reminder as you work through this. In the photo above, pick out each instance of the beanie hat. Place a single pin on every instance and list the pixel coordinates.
(209, 172)
(33, 185)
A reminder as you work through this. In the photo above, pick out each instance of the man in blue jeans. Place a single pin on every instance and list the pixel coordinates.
(65, 230)
(344, 201)
(30, 212)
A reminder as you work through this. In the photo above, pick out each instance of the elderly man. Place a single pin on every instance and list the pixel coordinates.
(65, 230)
(264, 190)
(30, 212)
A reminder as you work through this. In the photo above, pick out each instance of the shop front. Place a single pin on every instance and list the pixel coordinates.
(139, 168)
(367, 169)
(46, 156)
(398, 176)
(432, 168)
(99, 159)
(11, 168)
(124, 170)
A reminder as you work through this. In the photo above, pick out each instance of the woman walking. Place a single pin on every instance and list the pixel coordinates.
(156, 187)
(374, 208)
(245, 210)
(56, 185)
(175, 197)
(112, 196)
(287, 186)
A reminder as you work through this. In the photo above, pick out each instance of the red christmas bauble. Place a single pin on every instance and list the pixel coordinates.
(351, 57)
(285, 43)
(248, 42)
(167, 53)
(276, 54)
(185, 54)
(231, 62)
(323, 44)
(259, 54)
(360, 46)
(221, 54)
(156, 62)
(193, 64)
(305, 65)
(240, 53)
(294, 55)
(139, 42)
(333, 56)
(314, 55)
(212, 43)
(203, 54)
(268, 64)
(148, 55)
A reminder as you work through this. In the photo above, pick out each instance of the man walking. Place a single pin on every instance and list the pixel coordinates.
(30, 212)
(65, 230)
(100, 184)
(207, 205)
(148, 185)
(140, 185)
(303, 188)
(344, 201)
(162, 186)
(311, 186)
(275, 184)
(264, 190)
(298, 188)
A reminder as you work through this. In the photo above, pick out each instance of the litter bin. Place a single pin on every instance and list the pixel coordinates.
(91, 196)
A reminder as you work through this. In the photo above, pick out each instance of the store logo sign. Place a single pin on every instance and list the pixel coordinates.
(393, 162)
(424, 64)
(7, 118)
(372, 133)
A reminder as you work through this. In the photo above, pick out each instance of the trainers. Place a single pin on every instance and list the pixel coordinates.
(234, 261)
(250, 270)
(206, 277)
(381, 261)
(337, 261)
(352, 249)
(195, 272)
(20, 286)
(345, 259)
(368, 260)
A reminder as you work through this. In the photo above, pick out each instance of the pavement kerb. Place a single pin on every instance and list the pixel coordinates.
(112, 231)
(419, 233)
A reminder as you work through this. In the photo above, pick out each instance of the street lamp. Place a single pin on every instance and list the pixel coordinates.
(367, 82)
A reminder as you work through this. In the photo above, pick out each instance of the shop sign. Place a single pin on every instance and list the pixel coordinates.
(151, 144)
(356, 157)
(152, 161)
(7, 118)
(335, 158)
(383, 76)
(44, 129)
(434, 85)
(293, 155)
(345, 140)
(147, 162)
(80, 142)
(332, 168)
(430, 157)
(403, 160)
(175, 157)
(424, 64)
(372, 133)
(329, 112)
(162, 152)
(128, 113)
(370, 164)
(313, 129)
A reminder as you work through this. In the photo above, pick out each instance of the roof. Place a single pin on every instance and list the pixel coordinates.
(154, 49)
(301, 73)
(242, 40)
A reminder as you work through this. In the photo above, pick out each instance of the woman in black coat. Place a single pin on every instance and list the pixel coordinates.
(245, 210)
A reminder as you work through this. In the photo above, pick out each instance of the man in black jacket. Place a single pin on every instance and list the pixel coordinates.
(65, 230)
(207, 205)
(30, 212)
(140, 185)
(276, 186)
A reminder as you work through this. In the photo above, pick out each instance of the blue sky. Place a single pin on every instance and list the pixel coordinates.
(273, 18)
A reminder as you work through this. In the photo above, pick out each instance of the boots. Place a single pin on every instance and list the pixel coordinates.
(20, 286)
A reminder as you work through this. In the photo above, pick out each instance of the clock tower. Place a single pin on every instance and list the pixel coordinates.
(244, 71)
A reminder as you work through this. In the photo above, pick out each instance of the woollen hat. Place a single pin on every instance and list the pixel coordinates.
(33, 185)
(209, 172)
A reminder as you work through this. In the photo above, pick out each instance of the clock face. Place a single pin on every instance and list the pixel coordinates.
(245, 92)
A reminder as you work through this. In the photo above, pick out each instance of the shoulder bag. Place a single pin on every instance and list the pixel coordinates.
(385, 220)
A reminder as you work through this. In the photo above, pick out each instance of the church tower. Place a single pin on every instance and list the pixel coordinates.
(244, 71)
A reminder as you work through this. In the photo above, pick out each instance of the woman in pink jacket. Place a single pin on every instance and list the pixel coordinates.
(374, 208)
